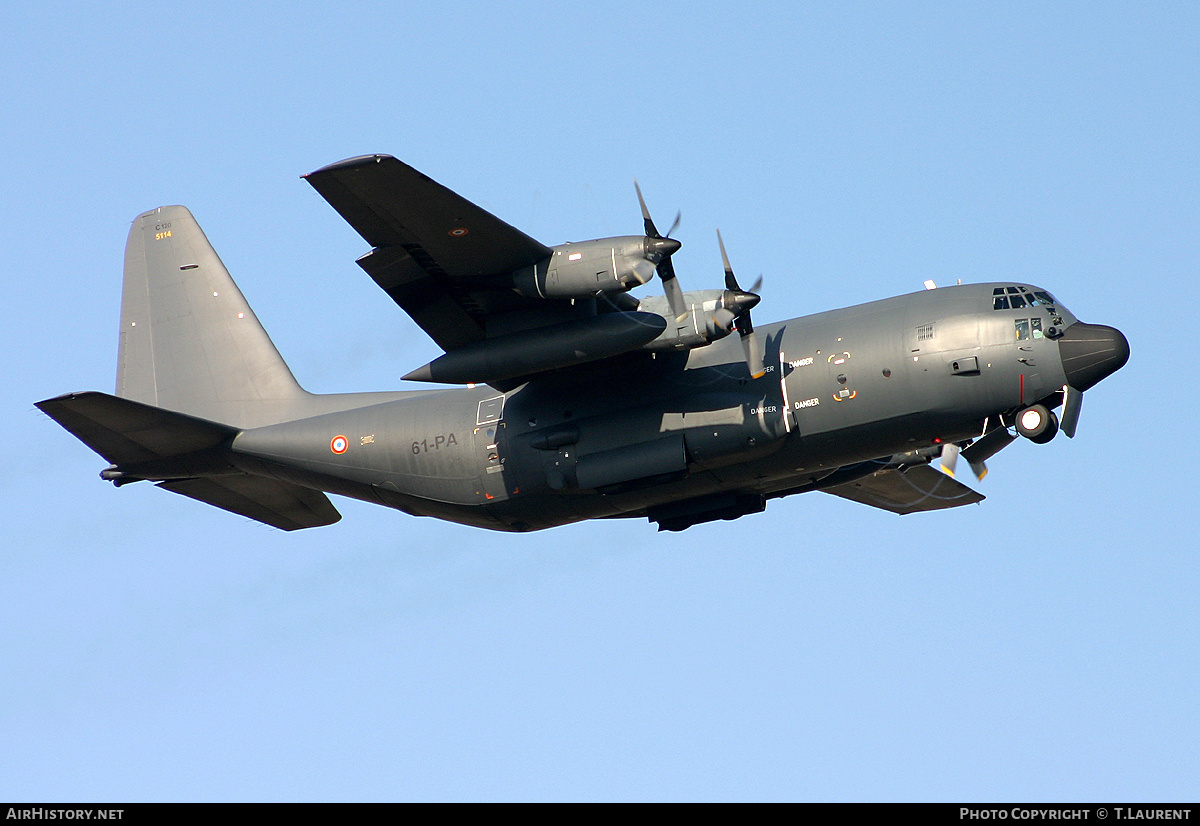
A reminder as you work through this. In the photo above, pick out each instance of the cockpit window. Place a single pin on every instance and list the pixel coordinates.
(1017, 298)
(1027, 328)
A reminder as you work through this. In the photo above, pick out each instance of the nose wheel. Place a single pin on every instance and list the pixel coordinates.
(1037, 423)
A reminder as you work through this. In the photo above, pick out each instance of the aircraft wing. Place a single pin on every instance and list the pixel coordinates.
(920, 488)
(436, 254)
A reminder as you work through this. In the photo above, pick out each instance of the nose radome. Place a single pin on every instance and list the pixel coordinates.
(1091, 353)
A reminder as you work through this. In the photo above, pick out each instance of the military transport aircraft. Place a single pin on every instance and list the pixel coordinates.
(580, 401)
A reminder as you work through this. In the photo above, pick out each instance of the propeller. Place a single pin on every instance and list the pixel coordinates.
(659, 249)
(743, 300)
(949, 459)
(977, 453)
(1072, 404)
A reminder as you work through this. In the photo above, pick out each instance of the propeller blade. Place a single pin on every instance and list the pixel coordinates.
(666, 271)
(724, 319)
(742, 298)
(985, 448)
(675, 223)
(1072, 404)
(754, 354)
(980, 469)
(949, 459)
(651, 230)
(730, 280)
(643, 270)
(743, 324)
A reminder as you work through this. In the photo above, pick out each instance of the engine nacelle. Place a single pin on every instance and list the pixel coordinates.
(702, 324)
(586, 268)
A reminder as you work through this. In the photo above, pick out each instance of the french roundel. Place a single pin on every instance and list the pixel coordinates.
(339, 444)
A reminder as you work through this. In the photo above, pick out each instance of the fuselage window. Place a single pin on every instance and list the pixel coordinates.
(1022, 329)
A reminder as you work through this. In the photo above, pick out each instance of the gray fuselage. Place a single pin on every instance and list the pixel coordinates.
(622, 437)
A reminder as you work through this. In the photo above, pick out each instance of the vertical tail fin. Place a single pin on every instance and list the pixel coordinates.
(189, 341)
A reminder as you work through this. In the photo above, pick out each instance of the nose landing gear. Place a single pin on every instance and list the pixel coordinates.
(1037, 423)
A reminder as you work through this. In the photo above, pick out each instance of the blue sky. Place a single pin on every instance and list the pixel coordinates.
(1042, 645)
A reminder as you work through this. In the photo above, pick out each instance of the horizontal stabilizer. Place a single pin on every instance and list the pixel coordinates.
(278, 504)
(130, 434)
(126, 432)
(919, 488)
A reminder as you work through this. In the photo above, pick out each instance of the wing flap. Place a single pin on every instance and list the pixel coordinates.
(916, 489)
(428, 299)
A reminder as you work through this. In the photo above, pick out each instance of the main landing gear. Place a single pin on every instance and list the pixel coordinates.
(1037, 423)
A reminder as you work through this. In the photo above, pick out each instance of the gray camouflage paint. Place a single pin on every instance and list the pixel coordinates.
(635, 433)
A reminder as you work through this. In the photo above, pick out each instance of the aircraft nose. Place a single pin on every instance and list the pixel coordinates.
(1091, 352)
